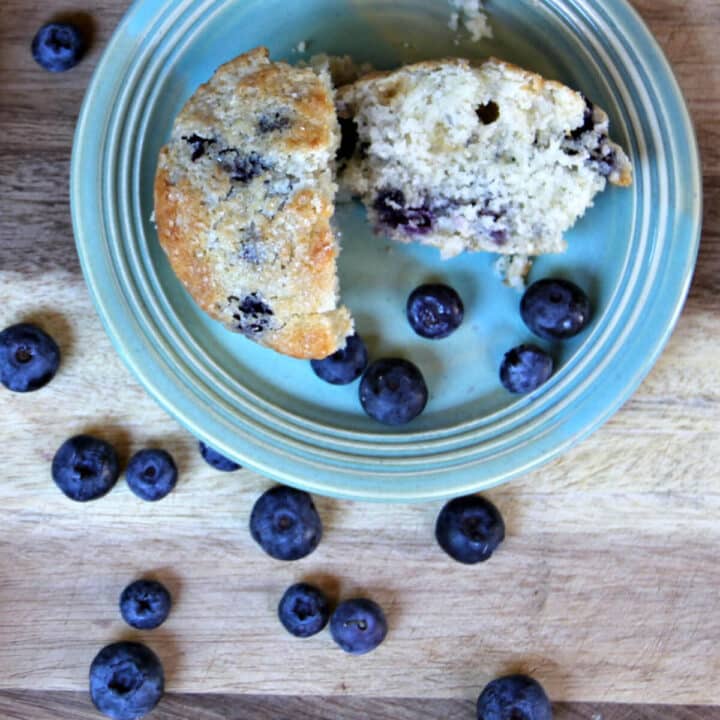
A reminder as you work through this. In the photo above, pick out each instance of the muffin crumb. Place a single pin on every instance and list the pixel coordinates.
(473, 17)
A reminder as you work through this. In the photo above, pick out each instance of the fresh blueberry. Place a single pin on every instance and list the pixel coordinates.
(555, 309)
(58, 46)
(358, 626)
(285, 523)
(29, 357)
(469, 529)
(525, 368)
(216, 460)
(145, 604)
(303, 610)
(126, 681)
(151, 474)
(434, 311)
(85, 468)
(514, 697)
(345, 365)
(393, 391)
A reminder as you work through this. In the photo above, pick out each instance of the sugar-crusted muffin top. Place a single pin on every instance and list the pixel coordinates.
(244, 194)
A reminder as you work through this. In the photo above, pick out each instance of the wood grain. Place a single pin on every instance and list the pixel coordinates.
(606, 588)
(51, 706)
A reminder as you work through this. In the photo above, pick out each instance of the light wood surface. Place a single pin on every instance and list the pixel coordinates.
(607, 588)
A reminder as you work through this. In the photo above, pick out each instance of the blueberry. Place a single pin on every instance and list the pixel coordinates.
(126, 681)
(303, 610)
(345, 365)
(272, 122)
(285, 523)
(253, 314)
(392, 211)
(241, 167)
(58, 46)
(198, 144)
(514, 697)
(434, 311)
(145, 604)
(85, 468)
(393, 391)
(555, 309)
(253, 304)
(216, 460)
(151, 474)
(469, 529)
(525, 368)
(588, 123)
(252, 251)
(29, 357)
(358, 626)
(603, 157)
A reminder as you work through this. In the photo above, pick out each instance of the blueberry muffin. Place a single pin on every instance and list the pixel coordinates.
(244, 195)
(490, 157)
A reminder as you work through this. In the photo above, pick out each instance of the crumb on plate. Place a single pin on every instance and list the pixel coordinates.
(474, 19)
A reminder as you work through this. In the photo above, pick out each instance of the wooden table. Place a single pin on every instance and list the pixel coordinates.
(607, 589)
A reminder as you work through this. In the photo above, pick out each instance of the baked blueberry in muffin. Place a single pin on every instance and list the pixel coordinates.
(490, 157)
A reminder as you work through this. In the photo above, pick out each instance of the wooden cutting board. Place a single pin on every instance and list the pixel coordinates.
(607, 588)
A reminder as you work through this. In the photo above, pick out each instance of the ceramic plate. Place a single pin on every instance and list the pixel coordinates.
(633, 251)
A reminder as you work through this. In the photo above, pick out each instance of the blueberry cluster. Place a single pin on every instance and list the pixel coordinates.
(553, 309)
(393, 390)
(86, 468)
(126, 678)
(286, 525)
(357, 625)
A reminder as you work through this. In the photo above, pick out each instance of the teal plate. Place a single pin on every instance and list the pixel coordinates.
(634, 250)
